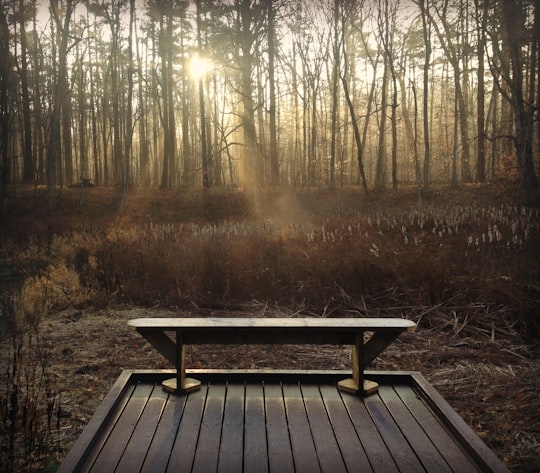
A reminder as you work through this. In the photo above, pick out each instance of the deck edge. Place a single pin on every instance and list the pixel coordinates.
(83, 444)
(470, 440)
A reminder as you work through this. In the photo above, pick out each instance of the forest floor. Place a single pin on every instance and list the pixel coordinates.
(484, 365)
(493, 384)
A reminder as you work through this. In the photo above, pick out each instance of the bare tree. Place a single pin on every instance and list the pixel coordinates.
(61, 94)
(481, 22)
(5, 110)
(249, 19)
(28, 162)
(426, 32)
(515, 35)
(439, 18)
(274, 156)
(347, 11)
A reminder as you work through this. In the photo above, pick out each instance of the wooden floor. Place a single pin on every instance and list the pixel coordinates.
(286, 422)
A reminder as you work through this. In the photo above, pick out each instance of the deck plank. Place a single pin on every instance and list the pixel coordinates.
(279, 444)
(304, 452)
(441, 438)
(416, 437)
(402, 453)
(113, 449)
(185, 443)
(207, 452)
(85, 464)
(255, 450)
(380, 458)
(139, 443)
(353, 452)
(232, 438)
(161, 446)
(328, 450)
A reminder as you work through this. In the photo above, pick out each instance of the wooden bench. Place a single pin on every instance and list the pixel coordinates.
(312, 331)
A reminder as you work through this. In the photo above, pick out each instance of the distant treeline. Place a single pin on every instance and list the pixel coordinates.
(265, 92)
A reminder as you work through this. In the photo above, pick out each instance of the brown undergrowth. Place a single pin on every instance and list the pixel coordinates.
(463, 264)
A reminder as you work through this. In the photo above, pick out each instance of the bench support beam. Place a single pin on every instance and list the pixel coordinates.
(181, 383)
(357, 384)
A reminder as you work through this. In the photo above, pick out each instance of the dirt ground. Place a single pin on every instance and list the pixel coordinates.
(492, 382)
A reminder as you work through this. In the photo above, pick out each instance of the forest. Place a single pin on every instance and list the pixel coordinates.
(269, 158)
(178, 94)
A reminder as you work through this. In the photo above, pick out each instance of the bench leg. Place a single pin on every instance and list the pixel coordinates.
(358, 384)
(180, 384)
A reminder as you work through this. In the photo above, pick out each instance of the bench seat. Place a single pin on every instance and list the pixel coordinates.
(254, 330)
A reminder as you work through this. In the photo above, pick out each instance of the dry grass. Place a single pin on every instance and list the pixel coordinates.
(464, 265)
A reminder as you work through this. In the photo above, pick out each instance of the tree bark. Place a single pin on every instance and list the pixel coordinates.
(335, 101)
(356, 130)
(28, 161)
(426, 32)
(515, 32)
(54, 151)
(5, 113)
(128, 139)
(274, 154)
(245, 33)
(381, 146)
(461, 109)
(144, 148)
(481, 18)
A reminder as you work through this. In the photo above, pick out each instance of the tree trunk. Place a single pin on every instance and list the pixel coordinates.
(163, 45)
(357, 137)
(515, 31)
(5, 113)
(186, 143)
(38, 140)
(125, 178)
(313, 136)
(54, 151)
(171, 101)
(144, 152)
(94, 119)
(81, 86)
(67, 177)
(28, 161)
(335, 100)
(394, 131)
(481, 15)
(409, 131)
(251, 175)
(389, 26)
(426, 31)
(202, 111)
(274, 156)
(534, 88)
(416, 158)
(381, 146)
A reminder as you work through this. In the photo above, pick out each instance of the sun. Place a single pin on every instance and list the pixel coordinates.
(199, 66)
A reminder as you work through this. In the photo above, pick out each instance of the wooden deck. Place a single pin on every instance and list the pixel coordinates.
(277, 422)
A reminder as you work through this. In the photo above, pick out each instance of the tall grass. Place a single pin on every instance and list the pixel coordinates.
(30, 404)
(29, 400)
(339, 259)
(425, 254)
